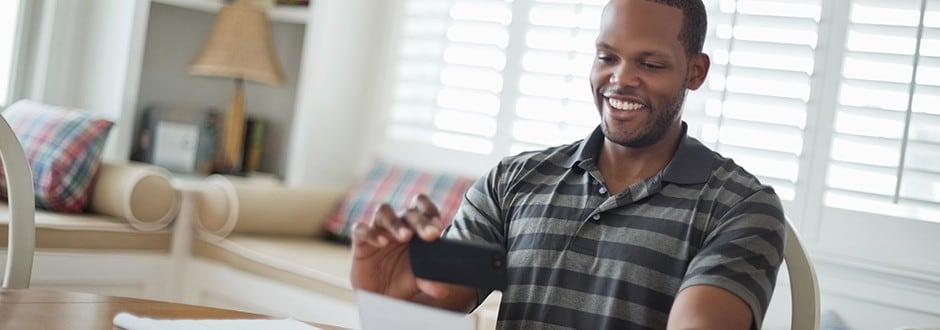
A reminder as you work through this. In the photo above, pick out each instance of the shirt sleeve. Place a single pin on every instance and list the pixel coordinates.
(479, 218)
(743, 252)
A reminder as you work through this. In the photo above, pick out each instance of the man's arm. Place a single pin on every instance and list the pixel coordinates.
(457, 298)
(729, 282)
(702, 307)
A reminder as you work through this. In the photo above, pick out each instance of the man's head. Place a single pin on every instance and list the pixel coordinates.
(694, 23)
(648, 55)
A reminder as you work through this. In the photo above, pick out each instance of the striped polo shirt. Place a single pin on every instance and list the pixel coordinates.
(582, 257)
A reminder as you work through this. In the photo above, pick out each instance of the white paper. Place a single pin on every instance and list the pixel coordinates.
(378, 312)
(129, 321)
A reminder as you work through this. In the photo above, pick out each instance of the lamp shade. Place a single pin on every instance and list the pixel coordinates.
(240, 46)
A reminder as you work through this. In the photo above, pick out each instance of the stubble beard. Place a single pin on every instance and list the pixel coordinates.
(663, 118)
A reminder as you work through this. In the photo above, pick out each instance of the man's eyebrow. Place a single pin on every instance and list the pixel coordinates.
(654, 53)
(645, 53)
(601, 44)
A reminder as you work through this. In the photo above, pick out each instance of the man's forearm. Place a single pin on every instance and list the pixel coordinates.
(458, 298)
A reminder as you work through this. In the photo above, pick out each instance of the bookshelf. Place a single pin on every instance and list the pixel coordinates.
(278, 13)
(117, 57)
(174, 34)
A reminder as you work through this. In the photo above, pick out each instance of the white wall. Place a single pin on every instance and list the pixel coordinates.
(78, 54)
(336, 101)
(104, 66)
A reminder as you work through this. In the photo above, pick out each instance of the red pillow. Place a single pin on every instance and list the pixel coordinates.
(398, 186)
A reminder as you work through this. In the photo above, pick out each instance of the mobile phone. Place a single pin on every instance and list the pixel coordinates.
(478, 265)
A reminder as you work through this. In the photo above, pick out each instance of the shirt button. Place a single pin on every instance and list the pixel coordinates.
(602, 190)
(596, 217)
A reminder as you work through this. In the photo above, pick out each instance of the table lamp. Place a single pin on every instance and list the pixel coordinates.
(240, 46)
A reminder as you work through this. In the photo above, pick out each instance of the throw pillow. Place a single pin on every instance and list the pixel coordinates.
(63, 148)
(396, 185)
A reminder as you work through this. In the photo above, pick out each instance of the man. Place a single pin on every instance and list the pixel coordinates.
(638, 226)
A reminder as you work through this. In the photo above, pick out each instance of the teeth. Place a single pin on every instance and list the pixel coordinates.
(623, 105)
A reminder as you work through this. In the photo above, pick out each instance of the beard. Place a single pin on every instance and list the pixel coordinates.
(662, 117)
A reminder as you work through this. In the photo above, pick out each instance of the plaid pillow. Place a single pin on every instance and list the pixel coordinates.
(398, 186)
(62, 147)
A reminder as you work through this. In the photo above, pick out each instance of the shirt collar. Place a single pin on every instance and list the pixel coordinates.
(691, 164)
(589, 148)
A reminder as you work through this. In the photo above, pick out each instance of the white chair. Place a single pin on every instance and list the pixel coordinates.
(804, 287)
(22, 206)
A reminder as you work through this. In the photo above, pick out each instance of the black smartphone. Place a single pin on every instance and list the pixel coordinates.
(478, 265)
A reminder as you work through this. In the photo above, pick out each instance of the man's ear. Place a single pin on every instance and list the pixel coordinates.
(698, 70)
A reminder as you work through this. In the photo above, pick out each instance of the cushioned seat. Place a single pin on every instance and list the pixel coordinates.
(311, 263)
(89, 231)
(82, 203)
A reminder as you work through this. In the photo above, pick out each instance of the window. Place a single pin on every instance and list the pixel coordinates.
(754, 104)
(886, 141)
(834, 103)
(9, 14)
(449, 74)
(477, 80)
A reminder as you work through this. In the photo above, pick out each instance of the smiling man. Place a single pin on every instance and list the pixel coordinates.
(638, 226)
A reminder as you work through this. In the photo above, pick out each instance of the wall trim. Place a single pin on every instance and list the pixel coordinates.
(878, 284)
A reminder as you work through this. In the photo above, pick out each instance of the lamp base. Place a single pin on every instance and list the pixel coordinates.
(233, 133)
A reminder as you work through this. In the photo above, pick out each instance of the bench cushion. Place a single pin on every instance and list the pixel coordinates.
(311, 263)
(84, 231)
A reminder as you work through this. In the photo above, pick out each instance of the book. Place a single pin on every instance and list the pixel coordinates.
(256, 130)
(207, 154)
(142, 150)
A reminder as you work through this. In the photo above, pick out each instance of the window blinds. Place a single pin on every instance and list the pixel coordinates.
(493, 78)
(452, 69)
(754, 104)
(448, 77)
(886, 140)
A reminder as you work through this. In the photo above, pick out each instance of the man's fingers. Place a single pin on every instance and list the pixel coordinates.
(383, 229)
(424, 217)
(424, 205)
(421, 218)
(367, 234)
(385, 218)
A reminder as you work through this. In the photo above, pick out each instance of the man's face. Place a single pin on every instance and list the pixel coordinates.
(641, 72)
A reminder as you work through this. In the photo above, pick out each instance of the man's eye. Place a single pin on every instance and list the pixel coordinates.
(604, 58)
(651, 65)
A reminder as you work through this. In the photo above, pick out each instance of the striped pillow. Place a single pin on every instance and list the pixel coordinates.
(398, 186)
(63, 148)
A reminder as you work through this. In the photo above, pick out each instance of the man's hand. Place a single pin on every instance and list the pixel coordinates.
(381, 263)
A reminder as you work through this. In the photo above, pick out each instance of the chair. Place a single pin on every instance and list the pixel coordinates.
(804, 287)
(22, 206)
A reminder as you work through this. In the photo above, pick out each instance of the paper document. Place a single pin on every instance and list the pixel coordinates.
(378, 312)
(129, 321)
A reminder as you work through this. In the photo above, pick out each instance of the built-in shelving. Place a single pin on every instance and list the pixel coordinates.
(174, 34)
(286, 14)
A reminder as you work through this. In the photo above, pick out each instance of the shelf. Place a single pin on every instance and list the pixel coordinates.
(285, 14)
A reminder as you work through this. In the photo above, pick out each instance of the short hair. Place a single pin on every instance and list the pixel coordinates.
(694, 23)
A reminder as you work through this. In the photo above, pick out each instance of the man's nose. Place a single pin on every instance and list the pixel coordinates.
(623, 76)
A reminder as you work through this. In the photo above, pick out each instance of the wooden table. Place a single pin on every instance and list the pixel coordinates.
(52, 310)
